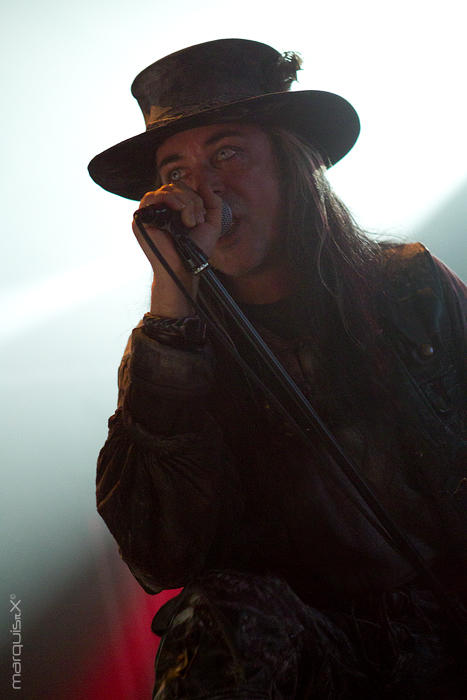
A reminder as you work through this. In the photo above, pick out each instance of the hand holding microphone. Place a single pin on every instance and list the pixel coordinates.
(173, 216)
(170, 220)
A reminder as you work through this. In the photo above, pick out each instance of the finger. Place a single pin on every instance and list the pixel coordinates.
(164, 198)
(213, 205)
(194, 212)
(190, 214)
(179, 198)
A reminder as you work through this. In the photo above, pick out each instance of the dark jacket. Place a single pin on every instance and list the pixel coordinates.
(198, 473)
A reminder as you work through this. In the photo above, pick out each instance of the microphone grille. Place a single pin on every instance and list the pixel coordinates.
(226, 219)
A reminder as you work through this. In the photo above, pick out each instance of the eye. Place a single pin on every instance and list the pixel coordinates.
(175, 175)
(225, 153)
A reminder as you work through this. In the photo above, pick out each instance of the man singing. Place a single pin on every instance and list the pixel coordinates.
(295, 586)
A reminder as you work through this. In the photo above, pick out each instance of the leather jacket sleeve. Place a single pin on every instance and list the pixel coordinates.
(166, 486)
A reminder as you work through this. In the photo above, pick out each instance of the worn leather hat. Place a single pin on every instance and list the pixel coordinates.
(218, 81)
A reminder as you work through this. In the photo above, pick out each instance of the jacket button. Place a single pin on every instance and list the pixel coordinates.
(426, 350)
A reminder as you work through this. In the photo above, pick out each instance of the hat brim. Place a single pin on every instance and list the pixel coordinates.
(324, 119)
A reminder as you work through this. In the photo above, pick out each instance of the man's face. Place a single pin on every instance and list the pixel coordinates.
(237, 161)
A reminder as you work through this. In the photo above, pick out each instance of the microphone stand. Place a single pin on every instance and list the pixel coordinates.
(307, 418)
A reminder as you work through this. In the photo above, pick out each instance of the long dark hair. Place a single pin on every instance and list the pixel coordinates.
(337, 266)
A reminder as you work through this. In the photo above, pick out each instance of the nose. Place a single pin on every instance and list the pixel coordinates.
(206, 173)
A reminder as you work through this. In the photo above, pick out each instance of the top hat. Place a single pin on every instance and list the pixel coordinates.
(218, 81)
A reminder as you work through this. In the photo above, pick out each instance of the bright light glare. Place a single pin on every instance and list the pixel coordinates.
(34, 305)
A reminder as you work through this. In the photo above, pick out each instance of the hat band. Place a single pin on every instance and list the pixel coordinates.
(158, 114)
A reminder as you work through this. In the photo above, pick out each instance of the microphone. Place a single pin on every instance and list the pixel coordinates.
(170, 220)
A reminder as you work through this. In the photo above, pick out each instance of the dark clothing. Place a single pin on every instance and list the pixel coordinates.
(270, 645)
(200, 474)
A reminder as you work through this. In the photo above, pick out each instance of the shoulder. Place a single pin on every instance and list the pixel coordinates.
(409, 284)
(406, 265)
(412, 265)
(422, 304)
(412, 277)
